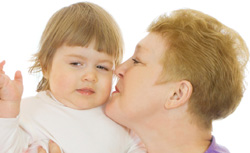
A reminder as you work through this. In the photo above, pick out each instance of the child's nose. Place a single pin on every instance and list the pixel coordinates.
(89, 76)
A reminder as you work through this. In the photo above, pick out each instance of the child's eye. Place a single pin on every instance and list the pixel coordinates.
(135, 61)
(102, 67)
(76, 64)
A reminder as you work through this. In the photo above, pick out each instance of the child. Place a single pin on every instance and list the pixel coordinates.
(79, 48)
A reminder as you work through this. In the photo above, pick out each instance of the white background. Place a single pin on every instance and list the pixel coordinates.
(22, 23)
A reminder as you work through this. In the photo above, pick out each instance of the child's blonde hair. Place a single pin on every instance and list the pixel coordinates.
(210, 55)
(77, 25)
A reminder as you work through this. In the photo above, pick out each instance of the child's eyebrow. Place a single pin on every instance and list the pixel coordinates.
(106, 61)
(84, 58)
(77, 56)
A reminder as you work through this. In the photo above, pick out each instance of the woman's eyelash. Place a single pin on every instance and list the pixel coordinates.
(135, 61)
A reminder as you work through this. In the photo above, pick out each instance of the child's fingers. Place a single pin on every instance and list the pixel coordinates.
(19, 79)
(2, 79)
(2, 63)
(2, 72)
(18, 76)
(1, 67)
(53, 147)
(41, 150)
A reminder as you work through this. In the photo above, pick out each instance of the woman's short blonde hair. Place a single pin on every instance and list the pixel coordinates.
(211, 56)
(77, 25)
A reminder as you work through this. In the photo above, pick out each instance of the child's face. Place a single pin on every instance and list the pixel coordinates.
(81, 78)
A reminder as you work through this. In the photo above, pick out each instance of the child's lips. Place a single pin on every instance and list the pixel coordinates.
(86, 91)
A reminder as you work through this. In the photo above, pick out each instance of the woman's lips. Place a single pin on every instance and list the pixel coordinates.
(86, 91)
(116, 90)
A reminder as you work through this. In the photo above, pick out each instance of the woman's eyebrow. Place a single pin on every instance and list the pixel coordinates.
(140, 48)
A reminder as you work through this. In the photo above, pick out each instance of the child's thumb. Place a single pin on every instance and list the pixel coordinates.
(1, 80)
(18, 76)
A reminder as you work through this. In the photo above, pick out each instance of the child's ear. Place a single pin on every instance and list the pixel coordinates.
(44, 70)
(45, 74)
(180, 95)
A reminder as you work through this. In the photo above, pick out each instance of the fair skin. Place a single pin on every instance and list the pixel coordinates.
(157, 112)
(80, 78)
(10, 93)
(53, 148)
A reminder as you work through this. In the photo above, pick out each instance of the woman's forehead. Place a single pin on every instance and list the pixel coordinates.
(153, 45)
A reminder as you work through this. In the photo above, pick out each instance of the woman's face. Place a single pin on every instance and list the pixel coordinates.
(138, 96)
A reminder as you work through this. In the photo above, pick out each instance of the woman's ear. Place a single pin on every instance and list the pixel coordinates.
(179, 95)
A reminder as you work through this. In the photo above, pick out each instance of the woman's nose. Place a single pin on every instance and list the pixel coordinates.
(121, 70)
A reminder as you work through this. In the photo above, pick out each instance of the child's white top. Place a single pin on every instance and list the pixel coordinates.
(75, 131)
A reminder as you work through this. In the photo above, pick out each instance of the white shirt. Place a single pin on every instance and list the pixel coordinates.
(76, 131)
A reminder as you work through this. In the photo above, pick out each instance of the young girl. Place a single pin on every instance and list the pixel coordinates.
(79, 49)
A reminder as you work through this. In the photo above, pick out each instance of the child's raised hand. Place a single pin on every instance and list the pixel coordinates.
(10, 93)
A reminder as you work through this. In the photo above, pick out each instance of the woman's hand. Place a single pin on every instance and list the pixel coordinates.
(53, 148)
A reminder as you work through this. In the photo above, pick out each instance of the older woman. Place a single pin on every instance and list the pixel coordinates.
(187, 72)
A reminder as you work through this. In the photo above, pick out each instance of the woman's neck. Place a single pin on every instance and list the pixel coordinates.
(171, 136)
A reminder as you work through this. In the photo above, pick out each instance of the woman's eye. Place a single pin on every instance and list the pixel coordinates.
(135, 61)
(102, 67)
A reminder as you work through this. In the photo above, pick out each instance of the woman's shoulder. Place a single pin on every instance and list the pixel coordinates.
(216, 148)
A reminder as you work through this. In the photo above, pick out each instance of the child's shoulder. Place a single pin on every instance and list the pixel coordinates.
(39, 99)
